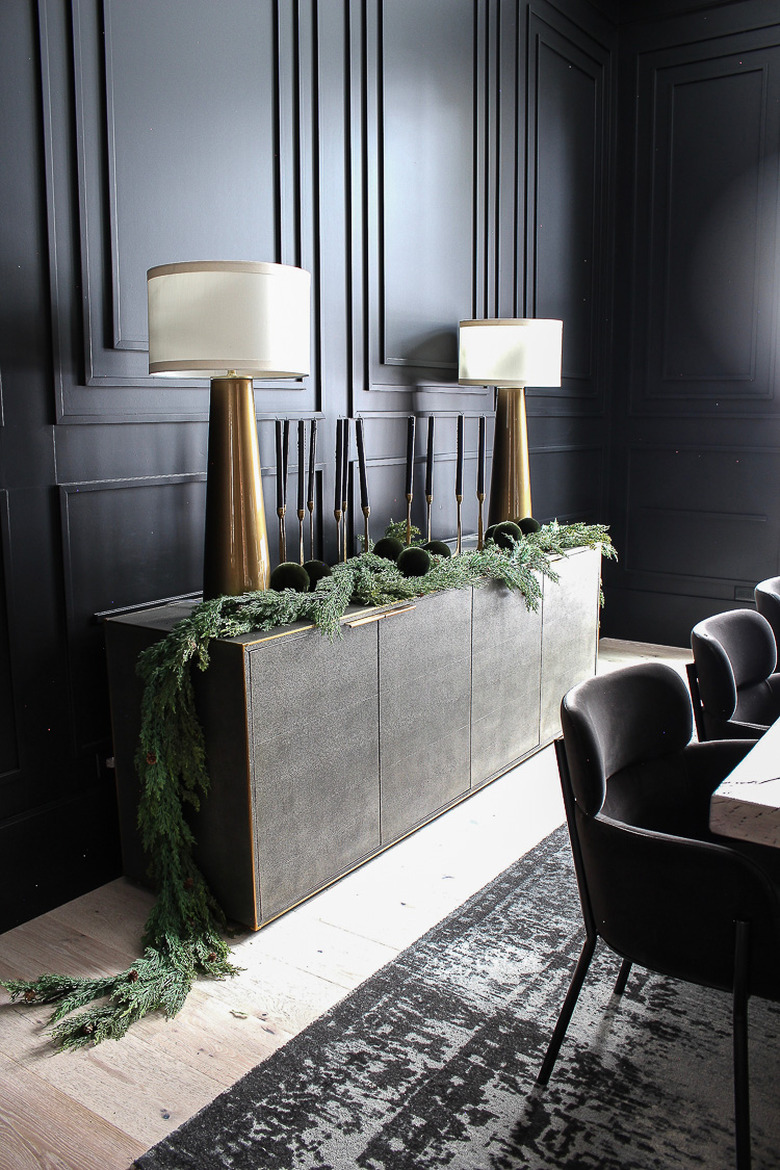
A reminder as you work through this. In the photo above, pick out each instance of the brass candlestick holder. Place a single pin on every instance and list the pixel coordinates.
(480, 521)
(281, 512)
(459, 501)
(337, 517)
(409, 498)
(301, 556)
(366, 513)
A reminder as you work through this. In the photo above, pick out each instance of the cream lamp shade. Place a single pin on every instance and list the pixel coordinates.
(208, 317)
(510, 351)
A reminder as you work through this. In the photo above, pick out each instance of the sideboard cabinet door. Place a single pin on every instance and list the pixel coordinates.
(505, 681)
(424, 709)
(314, 760)
(570, 632)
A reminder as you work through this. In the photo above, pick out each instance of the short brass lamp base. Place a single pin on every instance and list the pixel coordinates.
(236, 556)
(510, 484)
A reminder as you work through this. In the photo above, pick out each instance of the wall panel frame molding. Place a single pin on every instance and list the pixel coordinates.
(427, 206)
(704, 322)
(695, 514)
(150, 148)
(125, 542)
(568, 248)
(9, 733)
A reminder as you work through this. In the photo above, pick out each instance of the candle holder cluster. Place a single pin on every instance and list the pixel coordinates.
(342, 438)
(430, 459)
(305, 498)
(306, 484)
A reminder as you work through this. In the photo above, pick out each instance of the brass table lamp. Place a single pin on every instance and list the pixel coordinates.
(510, 353)
(232, 321)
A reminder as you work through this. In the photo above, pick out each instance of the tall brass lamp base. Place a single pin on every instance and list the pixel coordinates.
(510, 484)
(236, 556)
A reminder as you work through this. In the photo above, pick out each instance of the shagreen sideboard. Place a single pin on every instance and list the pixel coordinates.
(321, 753)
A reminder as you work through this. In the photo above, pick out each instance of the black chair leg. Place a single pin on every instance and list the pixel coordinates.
(577, 979)
(741, 1083)
(622, 979)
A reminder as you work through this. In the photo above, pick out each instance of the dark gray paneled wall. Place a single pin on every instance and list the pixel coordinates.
(426, 162)
(695, 414)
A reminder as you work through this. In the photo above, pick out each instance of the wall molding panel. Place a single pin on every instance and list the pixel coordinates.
(704, 324)
(166, 165)
(567, 259)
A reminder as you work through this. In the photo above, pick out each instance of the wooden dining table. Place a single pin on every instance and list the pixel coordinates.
(746, 805)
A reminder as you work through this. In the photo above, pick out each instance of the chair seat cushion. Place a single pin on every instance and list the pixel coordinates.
(672, 794)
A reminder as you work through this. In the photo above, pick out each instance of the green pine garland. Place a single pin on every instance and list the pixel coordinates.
(184, 934)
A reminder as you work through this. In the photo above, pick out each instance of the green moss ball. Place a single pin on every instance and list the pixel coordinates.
(289, 575)
(506, 533)
(439, 548)
(528, 524)
(389, 548)
(316, 570)
(490, 532)
(414, 562)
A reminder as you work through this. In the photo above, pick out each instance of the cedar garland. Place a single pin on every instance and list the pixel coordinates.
(184, 934)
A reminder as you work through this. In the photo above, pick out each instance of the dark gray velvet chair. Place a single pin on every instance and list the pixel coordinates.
(767, 596)
(655, 884)
(734, 687)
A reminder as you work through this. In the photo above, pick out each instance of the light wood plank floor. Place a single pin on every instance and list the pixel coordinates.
(99, 1108)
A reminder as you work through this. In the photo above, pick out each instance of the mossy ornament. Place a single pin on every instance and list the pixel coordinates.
(316, 570)
(414, 562)
(528, 525)
(289, 575)
(438, 548)
(506, 533)
(389, 548)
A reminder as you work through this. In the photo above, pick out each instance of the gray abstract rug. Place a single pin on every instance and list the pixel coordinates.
(432, 1061)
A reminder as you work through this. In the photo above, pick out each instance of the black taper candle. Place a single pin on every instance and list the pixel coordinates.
(285, 457)
(409, 454)
(312, 460)
(301, 464)
(429, 459)
(481, 458)
(339, 470)
(345, 465)
(279, 467)
(459, 467)
(359, 438)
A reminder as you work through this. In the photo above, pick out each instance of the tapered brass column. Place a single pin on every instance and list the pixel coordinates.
(510, 484)
(236, 556)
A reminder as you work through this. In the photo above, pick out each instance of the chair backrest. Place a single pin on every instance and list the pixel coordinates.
(735, 653)
(767, 596)
(626, 717)
(665, 901)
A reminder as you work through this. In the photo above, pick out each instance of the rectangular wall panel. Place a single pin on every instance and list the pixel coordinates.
(568, 188)
(701, 514)
(704, 325)
(125, 543)
(424, 183)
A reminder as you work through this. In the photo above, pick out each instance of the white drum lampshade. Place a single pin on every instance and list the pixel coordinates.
(210, 316)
